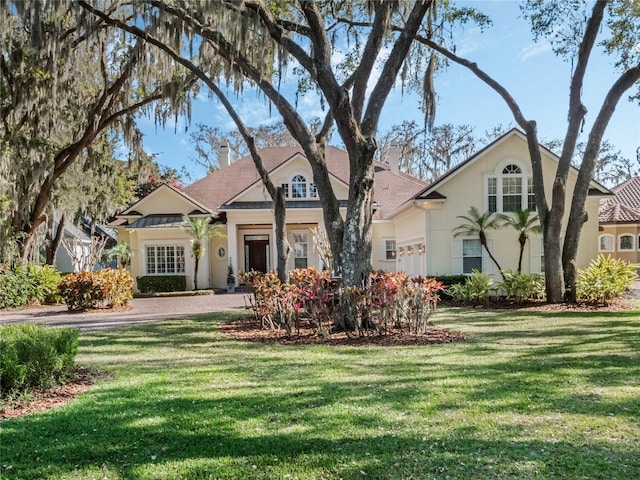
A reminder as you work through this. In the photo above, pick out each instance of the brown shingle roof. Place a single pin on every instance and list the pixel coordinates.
(219, 187)
(624, 205)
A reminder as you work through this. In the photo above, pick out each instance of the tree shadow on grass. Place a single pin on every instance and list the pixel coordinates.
(129, 437)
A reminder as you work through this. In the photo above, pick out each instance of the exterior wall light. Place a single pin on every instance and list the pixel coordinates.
(421, 249)
(410, 250)
(401, 251)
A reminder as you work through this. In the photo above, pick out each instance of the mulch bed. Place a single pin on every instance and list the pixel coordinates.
(250, 329)
(40, 400)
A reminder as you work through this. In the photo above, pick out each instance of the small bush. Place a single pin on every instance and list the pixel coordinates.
(102, 288)
(522, 286)
(448, 281)
(476, 288)
(28, 284)
(162, 283)
(35, 356)
(605, 279)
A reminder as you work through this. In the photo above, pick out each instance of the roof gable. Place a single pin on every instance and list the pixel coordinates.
(514, 133)
(230, 183)
(163, 199)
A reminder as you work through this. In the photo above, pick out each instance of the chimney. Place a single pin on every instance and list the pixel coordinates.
(394, 157)
(223, 155)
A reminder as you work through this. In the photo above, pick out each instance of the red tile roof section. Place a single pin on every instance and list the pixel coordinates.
(624, 205)
(219, 187)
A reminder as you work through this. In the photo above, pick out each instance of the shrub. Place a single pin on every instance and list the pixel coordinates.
(475, 289)
(162, 283)
(102, 288)
(605, 279)
(448, 281)
(46, 278)
(393, 300)
(522, 286)
(35, 356)
(28, 284)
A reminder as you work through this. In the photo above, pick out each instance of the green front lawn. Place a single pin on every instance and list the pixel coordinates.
(527, 396)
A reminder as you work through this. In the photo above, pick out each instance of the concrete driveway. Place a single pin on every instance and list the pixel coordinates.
(142, 310)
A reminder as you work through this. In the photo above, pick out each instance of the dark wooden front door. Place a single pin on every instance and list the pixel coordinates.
(256, 255)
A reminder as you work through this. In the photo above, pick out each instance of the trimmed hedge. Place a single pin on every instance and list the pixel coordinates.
(162, 283)
(35, 356)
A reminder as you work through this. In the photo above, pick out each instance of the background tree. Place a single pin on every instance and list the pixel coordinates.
(525, 223)
(207, 141)
(201, 230)
(573, 29)
(63, 83)
(478, 225)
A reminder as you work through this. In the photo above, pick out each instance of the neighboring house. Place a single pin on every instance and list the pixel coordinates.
(620, 222)
(80, 238)
(412, 223)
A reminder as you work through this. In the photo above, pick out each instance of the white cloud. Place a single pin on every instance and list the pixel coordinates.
(533, 50)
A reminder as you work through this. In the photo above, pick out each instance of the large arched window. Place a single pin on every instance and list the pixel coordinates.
(510, 190)
(298, 187)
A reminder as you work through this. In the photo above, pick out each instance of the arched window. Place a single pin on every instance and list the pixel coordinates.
(299, 187)
(625, 242)
(605, 243)
(510, 190)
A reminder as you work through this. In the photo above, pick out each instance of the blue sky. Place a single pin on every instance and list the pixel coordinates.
(535, 77)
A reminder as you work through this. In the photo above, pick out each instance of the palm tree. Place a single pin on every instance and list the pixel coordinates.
(524, 222)
(122, 252)
(477, 225)
(201, 230)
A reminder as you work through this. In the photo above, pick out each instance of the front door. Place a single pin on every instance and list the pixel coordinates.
(256, 252)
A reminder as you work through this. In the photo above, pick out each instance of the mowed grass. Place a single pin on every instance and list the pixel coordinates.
(529, 395)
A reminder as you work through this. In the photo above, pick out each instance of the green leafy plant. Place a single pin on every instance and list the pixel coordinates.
(122, 251)
(102, 288)
(605, 279)
(475, 290)
(477, 225)
(525, 223)
(522, 286)
(28, 284)
(33, 355)
(201, 230)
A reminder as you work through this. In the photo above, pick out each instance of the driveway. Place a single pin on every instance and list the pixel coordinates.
(142, 310)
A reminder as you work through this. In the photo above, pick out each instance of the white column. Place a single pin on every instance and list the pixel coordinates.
(232, 247)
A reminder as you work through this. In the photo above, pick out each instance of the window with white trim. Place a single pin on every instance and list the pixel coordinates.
(471, 255)
(165, 260)
(285, 188)
(390, 249)
(531, 196)
(300, 250)
(625, 242)
(298, 187)
(509, 189)
(605, 243)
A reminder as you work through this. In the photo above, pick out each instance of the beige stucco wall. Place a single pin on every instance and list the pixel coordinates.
(382, 231)
(297, 166)
(617, 230)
